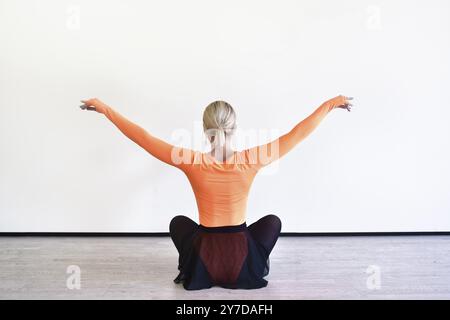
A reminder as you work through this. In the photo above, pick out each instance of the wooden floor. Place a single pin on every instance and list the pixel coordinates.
(411, 267)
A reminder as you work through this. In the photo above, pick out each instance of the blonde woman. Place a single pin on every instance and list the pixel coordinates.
(221, 250)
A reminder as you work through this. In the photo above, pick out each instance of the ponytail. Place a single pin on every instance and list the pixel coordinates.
(217, 137)
(219, 121)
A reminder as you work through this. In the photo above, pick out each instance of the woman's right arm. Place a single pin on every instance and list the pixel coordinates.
(267, 153)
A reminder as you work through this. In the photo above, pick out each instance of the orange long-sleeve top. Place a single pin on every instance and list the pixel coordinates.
(221, 188)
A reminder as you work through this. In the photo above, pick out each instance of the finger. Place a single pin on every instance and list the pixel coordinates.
(87, 102)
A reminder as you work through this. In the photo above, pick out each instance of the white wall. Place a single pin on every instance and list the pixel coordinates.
(383, 167)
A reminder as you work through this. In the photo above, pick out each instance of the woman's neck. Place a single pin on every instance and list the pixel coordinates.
(222, 154)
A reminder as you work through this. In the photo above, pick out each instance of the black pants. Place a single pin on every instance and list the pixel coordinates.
(265, 231)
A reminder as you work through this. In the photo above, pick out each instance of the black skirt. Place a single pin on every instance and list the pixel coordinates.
(234, 257)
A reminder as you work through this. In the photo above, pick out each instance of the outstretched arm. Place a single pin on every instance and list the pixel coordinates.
(156, 147)
(267, 153)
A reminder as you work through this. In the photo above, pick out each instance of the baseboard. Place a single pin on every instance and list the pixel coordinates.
(166, 234)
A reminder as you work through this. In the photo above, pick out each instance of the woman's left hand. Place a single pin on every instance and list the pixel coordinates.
(95, 103)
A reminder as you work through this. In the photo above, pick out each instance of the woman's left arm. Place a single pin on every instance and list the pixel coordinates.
(156, 147)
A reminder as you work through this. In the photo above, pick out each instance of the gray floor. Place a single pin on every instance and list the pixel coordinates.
(301, 268)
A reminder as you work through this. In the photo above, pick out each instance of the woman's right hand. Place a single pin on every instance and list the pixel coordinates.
(341, 102)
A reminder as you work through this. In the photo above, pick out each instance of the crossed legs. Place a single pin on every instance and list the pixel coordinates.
(265, 231)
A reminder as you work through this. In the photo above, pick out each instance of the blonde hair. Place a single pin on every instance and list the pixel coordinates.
(219, 121)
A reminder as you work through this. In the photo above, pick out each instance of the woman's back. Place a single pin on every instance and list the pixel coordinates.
(221, 189)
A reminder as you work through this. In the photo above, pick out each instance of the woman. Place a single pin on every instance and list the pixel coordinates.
(221, 250)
